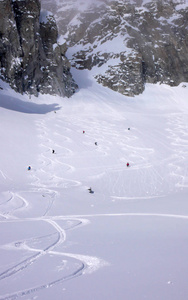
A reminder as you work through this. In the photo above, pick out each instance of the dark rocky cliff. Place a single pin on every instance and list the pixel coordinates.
(150, 38)
(31, 61)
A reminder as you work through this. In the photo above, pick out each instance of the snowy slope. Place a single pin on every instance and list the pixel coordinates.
(127, 240)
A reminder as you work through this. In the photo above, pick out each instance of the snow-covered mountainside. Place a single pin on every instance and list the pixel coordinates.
(94, 189)
(128, 239)
(127, 43)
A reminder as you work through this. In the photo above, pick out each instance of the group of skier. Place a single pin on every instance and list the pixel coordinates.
(90, 189)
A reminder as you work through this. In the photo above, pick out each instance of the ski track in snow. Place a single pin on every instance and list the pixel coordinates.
(178, 135)
(3, 174)
(11, 205)
(52, 173)
(88, 264)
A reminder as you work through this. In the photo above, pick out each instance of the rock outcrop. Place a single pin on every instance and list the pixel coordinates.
(31, 60)
(150, 38)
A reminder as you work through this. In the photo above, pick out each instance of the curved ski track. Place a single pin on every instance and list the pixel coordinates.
(46, 182)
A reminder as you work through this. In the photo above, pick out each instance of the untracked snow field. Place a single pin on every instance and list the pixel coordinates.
(126, 240)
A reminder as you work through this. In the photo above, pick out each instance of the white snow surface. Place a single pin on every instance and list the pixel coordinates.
(128, 239)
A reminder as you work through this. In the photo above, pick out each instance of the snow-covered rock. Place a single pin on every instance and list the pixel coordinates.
(130, 42)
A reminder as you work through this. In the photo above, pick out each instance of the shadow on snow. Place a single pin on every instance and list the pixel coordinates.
(18, 105)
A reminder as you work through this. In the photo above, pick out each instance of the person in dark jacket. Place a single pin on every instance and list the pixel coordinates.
(90, 190)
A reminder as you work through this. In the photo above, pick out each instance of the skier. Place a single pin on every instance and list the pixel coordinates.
(29, 168)
(90, 190)
(127, 164)
(53, 151)
(83, 131)
(96, 143)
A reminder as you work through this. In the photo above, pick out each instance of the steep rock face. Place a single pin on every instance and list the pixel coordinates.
(151, 39)
(126, 77)
(30, 58)
(162, 40)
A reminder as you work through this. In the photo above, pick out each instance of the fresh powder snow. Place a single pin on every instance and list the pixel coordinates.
(127, 239)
